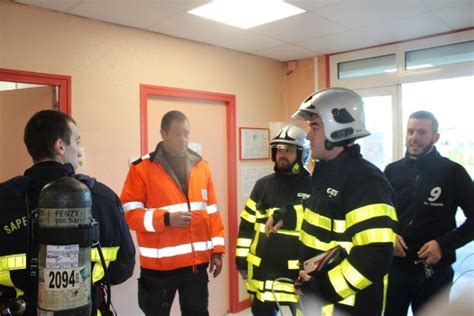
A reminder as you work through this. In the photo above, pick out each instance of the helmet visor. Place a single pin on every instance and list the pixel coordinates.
(303, 115)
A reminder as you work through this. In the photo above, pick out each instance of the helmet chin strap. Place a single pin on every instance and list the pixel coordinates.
(342, 143)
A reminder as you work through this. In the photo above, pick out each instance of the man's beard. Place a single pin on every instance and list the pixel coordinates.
(283, 166)
(424, 149)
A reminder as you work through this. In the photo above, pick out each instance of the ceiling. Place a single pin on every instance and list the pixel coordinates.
(327, 26)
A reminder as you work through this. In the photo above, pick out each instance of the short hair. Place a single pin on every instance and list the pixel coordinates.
(170, 117)
(425, 115)
(43, 129)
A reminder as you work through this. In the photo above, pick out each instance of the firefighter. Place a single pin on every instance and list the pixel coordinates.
(170, 201)
(262, 255)
(52, 140)
(351, 205)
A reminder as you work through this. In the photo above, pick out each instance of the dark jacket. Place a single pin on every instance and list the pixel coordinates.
(106, 210)
(277, 255)
(428, 191)
(351, 205)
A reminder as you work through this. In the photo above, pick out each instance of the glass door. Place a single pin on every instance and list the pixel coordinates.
(381, 113)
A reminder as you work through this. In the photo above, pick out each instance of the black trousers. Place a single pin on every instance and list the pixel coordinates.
(157, 289)
(408, 284)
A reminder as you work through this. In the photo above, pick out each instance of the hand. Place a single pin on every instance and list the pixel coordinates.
(180, 219)
(430, 252)
(243, 274)
(305, 276)
(400, 247)
(215, 266)
(270, 227)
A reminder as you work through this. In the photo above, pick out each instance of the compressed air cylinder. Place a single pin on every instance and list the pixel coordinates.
(65, 237)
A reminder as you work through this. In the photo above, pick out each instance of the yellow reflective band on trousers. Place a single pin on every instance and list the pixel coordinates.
(110, 254)
(385, 287)
(339, 283)
(247, 216)
(244, 242)
(355, 278)
(281, 297)
(374, 235)
(10, 263)
(313, 242)
(370, 211)
(241, 252)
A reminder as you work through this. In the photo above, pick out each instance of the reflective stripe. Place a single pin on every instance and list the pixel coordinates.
(385, 287)
(370, 211)
(293, 264)
(148, 220)
(280, 297)
(251, 204)
(201, 206)
(339, 283)
(253, 259)
(299, 216)
(248, 217)
(241, 252)
(181, 207)
(217, 241)
(339, 226)
(279, 286)
(355, 278)
(327, 310)
(348, 300)
(315, 243)
(317, 220)
(132, 206)
(10, 263)
(110, 254)
(13, 262)
(374, 235)
(176, 250)
(244, 242)
(212, 209)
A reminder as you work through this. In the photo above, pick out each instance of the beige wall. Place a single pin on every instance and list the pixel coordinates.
(107, 64)
(19, 104)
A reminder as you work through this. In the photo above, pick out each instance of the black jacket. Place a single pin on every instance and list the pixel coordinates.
(351, 205)
(277, 255)
(106, 210)
(428, 191)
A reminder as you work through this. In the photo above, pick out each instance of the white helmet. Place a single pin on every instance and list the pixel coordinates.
(292, 135)
(340, 109)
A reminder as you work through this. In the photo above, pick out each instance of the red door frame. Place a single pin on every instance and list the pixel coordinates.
(149, 90)
(63, 82)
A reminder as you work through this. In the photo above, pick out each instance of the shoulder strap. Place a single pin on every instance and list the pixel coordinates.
(89, 181)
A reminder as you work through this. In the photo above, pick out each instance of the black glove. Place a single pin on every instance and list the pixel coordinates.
(287, 215)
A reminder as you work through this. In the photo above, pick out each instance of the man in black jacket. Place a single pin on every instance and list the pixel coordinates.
(261, 256)
(351, 207)
(428, 189)
(52, 141)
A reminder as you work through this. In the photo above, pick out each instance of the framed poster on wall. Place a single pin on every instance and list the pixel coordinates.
(254, 143)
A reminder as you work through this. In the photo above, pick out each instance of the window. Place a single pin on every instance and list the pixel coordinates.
(367, 66)
(441, 55)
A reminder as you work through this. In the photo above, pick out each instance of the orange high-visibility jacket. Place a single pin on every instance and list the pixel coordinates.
(150, 190)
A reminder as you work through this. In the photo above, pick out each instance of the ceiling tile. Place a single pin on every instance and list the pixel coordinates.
(245, 41)
(457, 17)
(62, 6)
(354, 14)
(288, 52)
(192, 27)
(309, 5)
(299, 28)
(137, 13)
(340, 42)
(443, 4)
(404, 29)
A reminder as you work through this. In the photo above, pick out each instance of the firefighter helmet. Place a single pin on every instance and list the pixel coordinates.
(342, 113)
(292, 135)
